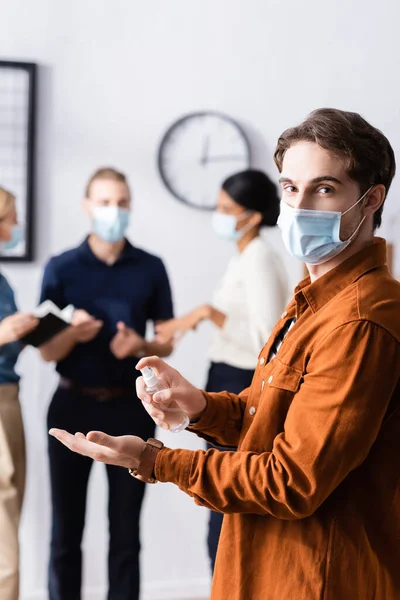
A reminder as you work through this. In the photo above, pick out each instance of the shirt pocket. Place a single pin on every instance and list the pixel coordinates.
(273, 391)
(283, 377)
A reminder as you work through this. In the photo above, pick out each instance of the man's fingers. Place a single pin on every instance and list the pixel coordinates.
(31, 319)
(158, 418)
(58, 433)
(93, 325)
(25, 321)
(90, 326)
(156, 363)
(73, 442)
(30, 327)
(141, 391)
(157, 415)
(102, 439)
(33, 322)
(81, 445)
(165, 396)
(21, 329)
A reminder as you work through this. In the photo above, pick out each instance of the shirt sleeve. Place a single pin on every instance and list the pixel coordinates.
(333, 421)
(8, 297)
(161, 306)
(221, 422)
(264, 298)
(52, 286)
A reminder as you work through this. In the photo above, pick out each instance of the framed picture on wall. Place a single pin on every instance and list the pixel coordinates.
(17, 142)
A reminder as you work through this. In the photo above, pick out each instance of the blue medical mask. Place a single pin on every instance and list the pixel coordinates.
(313, 236)
(225, 226)
(17, 236)
(110, 222)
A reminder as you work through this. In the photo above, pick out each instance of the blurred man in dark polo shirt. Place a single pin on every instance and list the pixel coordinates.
(116, 289)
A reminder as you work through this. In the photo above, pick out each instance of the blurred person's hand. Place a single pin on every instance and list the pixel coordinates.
(122, 451)
(174, 329)
(85, 327)
(15, 326)
(180, 393)
(126, 342)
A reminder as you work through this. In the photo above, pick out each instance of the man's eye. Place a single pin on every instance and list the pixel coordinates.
(326, 190)
(289, 188)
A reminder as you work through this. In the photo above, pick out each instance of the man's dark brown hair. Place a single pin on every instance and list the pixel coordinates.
(367, 154)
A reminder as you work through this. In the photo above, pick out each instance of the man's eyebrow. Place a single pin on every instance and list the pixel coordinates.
(326, 178)
(315, 180)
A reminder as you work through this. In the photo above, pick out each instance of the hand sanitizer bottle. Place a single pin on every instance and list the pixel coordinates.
(177, 419)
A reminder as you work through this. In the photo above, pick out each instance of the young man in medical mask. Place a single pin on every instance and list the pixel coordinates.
(116, 289)
(311, 498)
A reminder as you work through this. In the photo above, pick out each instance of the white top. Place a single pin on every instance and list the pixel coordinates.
(252, 294)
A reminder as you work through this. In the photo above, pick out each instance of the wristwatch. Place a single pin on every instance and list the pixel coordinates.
(145, 470)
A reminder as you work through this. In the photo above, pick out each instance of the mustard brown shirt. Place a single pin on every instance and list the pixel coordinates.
(312, 497)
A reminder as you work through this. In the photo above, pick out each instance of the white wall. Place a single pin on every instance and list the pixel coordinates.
(113, 76)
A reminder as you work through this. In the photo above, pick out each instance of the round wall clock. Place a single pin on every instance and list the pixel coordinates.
(198, 152)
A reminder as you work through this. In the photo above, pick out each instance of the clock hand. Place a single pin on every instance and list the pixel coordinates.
(206, 144)
(225, 158)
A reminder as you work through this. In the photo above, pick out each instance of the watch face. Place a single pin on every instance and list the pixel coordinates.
(198, 153)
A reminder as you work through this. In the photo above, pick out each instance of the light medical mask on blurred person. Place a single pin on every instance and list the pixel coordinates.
(110, 222)
(17, 236)
(313, 236)
(225, 226)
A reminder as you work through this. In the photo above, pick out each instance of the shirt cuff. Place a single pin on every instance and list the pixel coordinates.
(210, 420)
(173, 466)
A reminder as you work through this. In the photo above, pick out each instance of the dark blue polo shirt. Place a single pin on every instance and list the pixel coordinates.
(134, 290)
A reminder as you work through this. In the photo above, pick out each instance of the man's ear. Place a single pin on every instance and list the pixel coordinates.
(374, 199)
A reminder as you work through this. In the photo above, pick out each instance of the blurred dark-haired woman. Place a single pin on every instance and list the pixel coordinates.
(249, 299)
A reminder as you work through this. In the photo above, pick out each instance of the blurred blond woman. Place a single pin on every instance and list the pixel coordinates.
(13, 326)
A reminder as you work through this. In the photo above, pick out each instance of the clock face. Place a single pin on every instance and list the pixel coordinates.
(198, 153)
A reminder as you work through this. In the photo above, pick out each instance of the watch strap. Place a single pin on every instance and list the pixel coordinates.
(145, 469)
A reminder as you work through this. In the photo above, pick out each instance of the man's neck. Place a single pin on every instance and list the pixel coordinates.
(108, 252)
(361, 242)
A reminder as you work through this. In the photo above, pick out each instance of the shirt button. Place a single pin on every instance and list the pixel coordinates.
(283, 315)
(252, 410)
(262, 384)
(270, 378)
(262, 360)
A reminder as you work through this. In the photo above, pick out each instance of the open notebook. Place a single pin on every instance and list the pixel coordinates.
(52, 321)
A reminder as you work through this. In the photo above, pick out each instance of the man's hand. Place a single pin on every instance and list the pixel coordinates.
(174, 329)
(122, 451)
(85, 327)
(15, 326)
(180, 393)
(126, 342)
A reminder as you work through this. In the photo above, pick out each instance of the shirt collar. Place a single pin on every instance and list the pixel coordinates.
(321, 291)
(129, 253)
